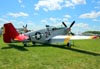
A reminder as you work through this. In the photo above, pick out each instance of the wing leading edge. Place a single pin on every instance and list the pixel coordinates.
(65, 39)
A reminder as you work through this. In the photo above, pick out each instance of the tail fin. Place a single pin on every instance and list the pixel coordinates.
(9, 32)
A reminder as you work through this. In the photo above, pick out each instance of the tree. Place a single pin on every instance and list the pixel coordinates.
(92, 32)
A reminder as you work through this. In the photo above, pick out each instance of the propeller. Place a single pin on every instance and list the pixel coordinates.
(25, 29)
(72, 24)
(64, 24)
(25, 26)
(69, 29)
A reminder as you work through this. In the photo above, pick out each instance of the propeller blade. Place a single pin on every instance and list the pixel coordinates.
(72, 24)
(64, 24)
(72, 33)
(26, 26)
(23, 26)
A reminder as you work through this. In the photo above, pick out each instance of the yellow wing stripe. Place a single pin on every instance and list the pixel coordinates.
(91, 37)
(67, 39)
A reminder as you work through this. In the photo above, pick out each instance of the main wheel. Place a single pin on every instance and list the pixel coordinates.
(33, 43)
(69, 45)
(25, 44)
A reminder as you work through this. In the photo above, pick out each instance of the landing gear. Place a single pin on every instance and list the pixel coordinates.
(69, 45)
(25, 44)
(33, 43)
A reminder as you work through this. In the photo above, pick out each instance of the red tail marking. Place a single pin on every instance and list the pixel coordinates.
(21, 37)
(9, 32)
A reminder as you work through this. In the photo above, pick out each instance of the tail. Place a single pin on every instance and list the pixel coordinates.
(9, 32)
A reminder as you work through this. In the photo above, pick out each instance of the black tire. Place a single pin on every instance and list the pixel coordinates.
(68, 45)
(33, 43)
(25, 44)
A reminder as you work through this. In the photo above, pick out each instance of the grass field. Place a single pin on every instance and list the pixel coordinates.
(85, 54)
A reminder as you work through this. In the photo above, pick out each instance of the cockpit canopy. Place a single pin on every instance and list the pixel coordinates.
(54, 27)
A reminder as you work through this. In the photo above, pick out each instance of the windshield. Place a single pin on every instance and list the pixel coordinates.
(56, 27)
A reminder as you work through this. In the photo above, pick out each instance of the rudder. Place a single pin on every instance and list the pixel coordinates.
(9, 32)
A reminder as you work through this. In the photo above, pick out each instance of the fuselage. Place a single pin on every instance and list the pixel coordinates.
(43, 35)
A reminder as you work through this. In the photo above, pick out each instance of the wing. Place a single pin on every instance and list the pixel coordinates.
(65, 39)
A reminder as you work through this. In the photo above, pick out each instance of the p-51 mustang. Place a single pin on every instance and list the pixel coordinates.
(49, 35)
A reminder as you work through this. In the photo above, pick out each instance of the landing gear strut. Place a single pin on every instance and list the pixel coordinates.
(69, 45)
(33, 43)
(25, 44)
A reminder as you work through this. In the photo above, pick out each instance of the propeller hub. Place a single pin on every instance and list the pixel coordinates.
(69, 29)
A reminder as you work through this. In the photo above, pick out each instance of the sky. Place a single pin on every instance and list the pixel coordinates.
(38, 13)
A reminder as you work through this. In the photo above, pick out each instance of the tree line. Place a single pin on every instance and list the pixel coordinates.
(92, 32)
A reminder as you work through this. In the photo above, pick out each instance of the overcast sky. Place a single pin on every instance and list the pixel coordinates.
(38, 13)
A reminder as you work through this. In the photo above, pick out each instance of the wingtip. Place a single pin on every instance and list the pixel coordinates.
(94, 37)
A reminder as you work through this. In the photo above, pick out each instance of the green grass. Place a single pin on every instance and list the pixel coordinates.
(85, 54)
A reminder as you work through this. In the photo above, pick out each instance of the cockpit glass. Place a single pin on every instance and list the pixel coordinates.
(56, 27)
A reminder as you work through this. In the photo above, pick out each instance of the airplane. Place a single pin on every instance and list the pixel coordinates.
(49, 35)
(25, 29)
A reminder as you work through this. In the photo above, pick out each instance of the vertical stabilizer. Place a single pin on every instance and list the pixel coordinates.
(9, 32)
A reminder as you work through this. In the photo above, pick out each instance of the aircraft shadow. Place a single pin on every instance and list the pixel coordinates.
(21, 48)
(79, 50)
(16, 47)
(72, 49)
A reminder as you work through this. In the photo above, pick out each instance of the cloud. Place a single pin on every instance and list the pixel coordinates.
(73, 3)
(2, 21)
(67, 16)
(34, 26)
(79, 1)
(48, 5)
(20, 14)
(82, 25)
(97, 5)
(44, 21)
(51, 20)
(56, 21)
(20, 1)
(91, 15)
(68, 4)
(96, 20)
